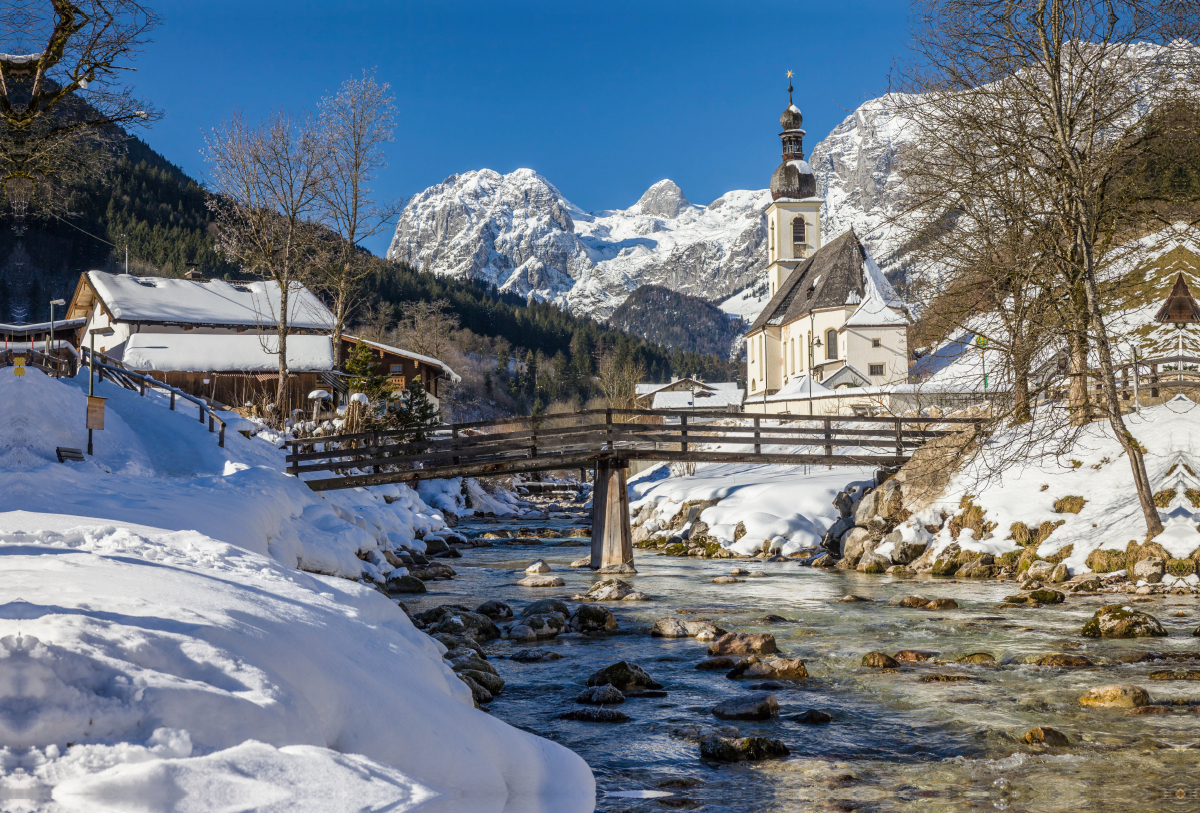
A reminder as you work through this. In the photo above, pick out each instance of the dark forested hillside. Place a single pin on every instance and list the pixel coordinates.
(676, 320)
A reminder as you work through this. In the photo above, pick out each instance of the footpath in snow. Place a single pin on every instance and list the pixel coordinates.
(160, 650)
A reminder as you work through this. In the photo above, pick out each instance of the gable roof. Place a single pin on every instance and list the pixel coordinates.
(167, 300)
(408, 354)
(840, 274)
(1180, 308)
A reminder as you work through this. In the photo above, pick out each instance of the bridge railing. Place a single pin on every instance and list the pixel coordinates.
(579, 439)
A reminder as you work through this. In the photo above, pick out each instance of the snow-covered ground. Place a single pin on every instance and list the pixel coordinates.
(160, 650)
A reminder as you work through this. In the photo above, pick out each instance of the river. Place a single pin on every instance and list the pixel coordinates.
(895, 742)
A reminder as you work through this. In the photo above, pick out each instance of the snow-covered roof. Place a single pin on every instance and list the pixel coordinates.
(387, 348)
(225, 352)
(40, 327)
(803, 387)
(875, 311)
(214, 302)
(718, 399)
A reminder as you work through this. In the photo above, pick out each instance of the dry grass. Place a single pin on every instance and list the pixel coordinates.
(1020, 533)
(972, 517)
(1069, 505)
(1163, 498)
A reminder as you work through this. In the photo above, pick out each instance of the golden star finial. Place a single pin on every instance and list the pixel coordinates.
(790, 74)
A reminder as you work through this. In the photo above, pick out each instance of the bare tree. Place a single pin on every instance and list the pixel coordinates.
(1051, 96)
(618, 377)
(426, 327)
(62, 91)
(356, 123)
(265, 181)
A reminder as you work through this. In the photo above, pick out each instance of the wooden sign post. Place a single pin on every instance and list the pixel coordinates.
(95, 412)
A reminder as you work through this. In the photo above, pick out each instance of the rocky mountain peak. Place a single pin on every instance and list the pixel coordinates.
(664, 199)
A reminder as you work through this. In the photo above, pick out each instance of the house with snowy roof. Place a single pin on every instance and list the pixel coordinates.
(834, 322)
(209, 337)
(691, 394)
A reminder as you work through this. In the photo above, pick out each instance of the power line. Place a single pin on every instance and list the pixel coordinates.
(88, 233)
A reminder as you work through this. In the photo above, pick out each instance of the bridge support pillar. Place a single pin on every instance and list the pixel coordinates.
(612, 542)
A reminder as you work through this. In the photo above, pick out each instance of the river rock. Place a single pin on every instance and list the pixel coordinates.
(913, 601)
(854, 544)
(671, 627)
(609, 590)
(914, 655)
(744, 749)
(1116, 621)
(592, 618)
(538, 567)
(1046, 736)
(434, 544)
(541, 581)
(606, 695)
(595, 716)
(454, 643)
(584, 562)
(534, 656)
(1060, 573)
(1042, 596)
(941, 604)
(904, 553)
(625, 677)
(543, 625)
(739, 643)
(716, 664)
(824, 562)
(977, 658)
(478, 628)
(811, 717)
(778, 669)
(495, 610)
(619, 568)
(982, 567)
(867, 508)
(1150, 570)
(1116, 696)
(460, 659)
(850, 598)
(727, 580)
(547, 605)
(762, 706)
(1061, 659)
(873, 563)
(480, 695)
(878, 660)
(637, 595)
(488, 680)
(404, 584)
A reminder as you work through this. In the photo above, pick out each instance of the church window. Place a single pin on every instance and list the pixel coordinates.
(793, 356)
(876, 343)
(772, 242)
(831, 350)
(798, 237)
(876, 369)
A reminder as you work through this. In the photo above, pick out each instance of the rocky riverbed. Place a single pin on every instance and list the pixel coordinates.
(786, 687)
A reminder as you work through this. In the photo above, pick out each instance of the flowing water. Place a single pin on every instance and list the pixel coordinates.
(895, 742)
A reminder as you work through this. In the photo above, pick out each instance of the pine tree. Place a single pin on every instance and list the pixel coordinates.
(367, 378)
(418, 412)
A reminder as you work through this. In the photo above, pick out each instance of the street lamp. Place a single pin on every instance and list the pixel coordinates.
(103, 331)
(50, 335)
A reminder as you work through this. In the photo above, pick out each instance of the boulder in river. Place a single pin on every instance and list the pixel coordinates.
(609, 590)
(739, 643)
(778, 669)
(977, 658)
(1063, 660)
(620, 567)
(1116, 696)
(538, 566)
(1042, 596)
(592, 618)
(541, 581)
(405, 584)
(878, 660)
(873, 563)
(1117, 621)
(941, 604)
(761, 706)
(811, 717)
(478, 628)
(606, 695)
(913, 601)
(914, 655)
(718, 664)
(624, 676)
(595, 716)
(1043, 735)
(534, 656)
(824, 561)
(495, 609)
(547, 605)
(743, 749)
(850, 598)
(543, 625)
(672, 627)
(584, 562)
(727, 580)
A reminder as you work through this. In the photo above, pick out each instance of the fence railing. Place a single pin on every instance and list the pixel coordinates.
(566, 441)
(128, 379)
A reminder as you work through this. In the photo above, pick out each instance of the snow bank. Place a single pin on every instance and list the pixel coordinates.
(1098, 471)
(190, 674)
(782, 504)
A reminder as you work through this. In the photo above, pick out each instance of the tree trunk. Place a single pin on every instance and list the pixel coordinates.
(1022, 412)
(1112, 405)
(1077, 397)
(282, 406)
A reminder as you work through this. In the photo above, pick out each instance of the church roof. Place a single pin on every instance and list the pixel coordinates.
(1180, 308)
(840, 274)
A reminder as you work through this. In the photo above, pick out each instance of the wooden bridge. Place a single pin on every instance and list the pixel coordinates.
(605, 441)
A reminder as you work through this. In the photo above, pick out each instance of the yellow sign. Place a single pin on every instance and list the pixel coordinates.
(19, 366)
(95, 412)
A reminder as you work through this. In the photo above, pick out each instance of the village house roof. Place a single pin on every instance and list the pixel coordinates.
(226, 352)
(706, 398)
(210, 303)
(1180, 308)
(387, 348)
(841, 274)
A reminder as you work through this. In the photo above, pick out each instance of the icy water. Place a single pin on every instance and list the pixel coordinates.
(895, 742)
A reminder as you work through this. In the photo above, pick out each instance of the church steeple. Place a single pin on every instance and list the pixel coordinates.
(792, 135)
(794, 177)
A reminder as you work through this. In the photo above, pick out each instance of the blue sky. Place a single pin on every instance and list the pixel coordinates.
(602, 99)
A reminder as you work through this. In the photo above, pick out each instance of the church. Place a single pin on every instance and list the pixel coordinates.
(833, 320)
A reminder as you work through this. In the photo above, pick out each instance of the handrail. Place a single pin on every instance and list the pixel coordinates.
(116, 374)
(49, 363)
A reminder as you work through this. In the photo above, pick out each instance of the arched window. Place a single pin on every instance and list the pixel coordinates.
(793, 356)
(831, 344)
(772, 244)
(799, 243)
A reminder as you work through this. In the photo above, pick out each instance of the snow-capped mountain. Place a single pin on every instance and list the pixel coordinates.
(519, 232)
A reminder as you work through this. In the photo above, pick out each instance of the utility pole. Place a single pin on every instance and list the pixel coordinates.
(103, 331)
(50, 335)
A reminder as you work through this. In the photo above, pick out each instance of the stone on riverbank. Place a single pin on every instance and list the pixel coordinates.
(606, 695)
(488, 680)
(750, 707)
(592, 618)
(495, 610)
(671, 627)
(534, 656)
(744, 749)
(478, 628)
(1117, 621)
(739, 643)
(1116, 696)
(595, 716)
(878, 660)
(541, 581)
(625, 677)
(1046, 736)
(405, 584)
(479, 695)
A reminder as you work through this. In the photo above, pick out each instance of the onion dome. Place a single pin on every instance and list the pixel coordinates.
(791, 118)
(793, 179)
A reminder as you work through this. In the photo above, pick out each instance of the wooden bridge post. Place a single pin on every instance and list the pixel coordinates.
(612, 540)
(757, 439)
(683, 428)
(829, 437)
(899, 439)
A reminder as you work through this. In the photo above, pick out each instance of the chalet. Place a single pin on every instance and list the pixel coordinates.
(209, 337)
(691, 394)
(402, 366)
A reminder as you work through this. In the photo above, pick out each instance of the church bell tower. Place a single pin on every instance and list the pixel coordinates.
(794, 216)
